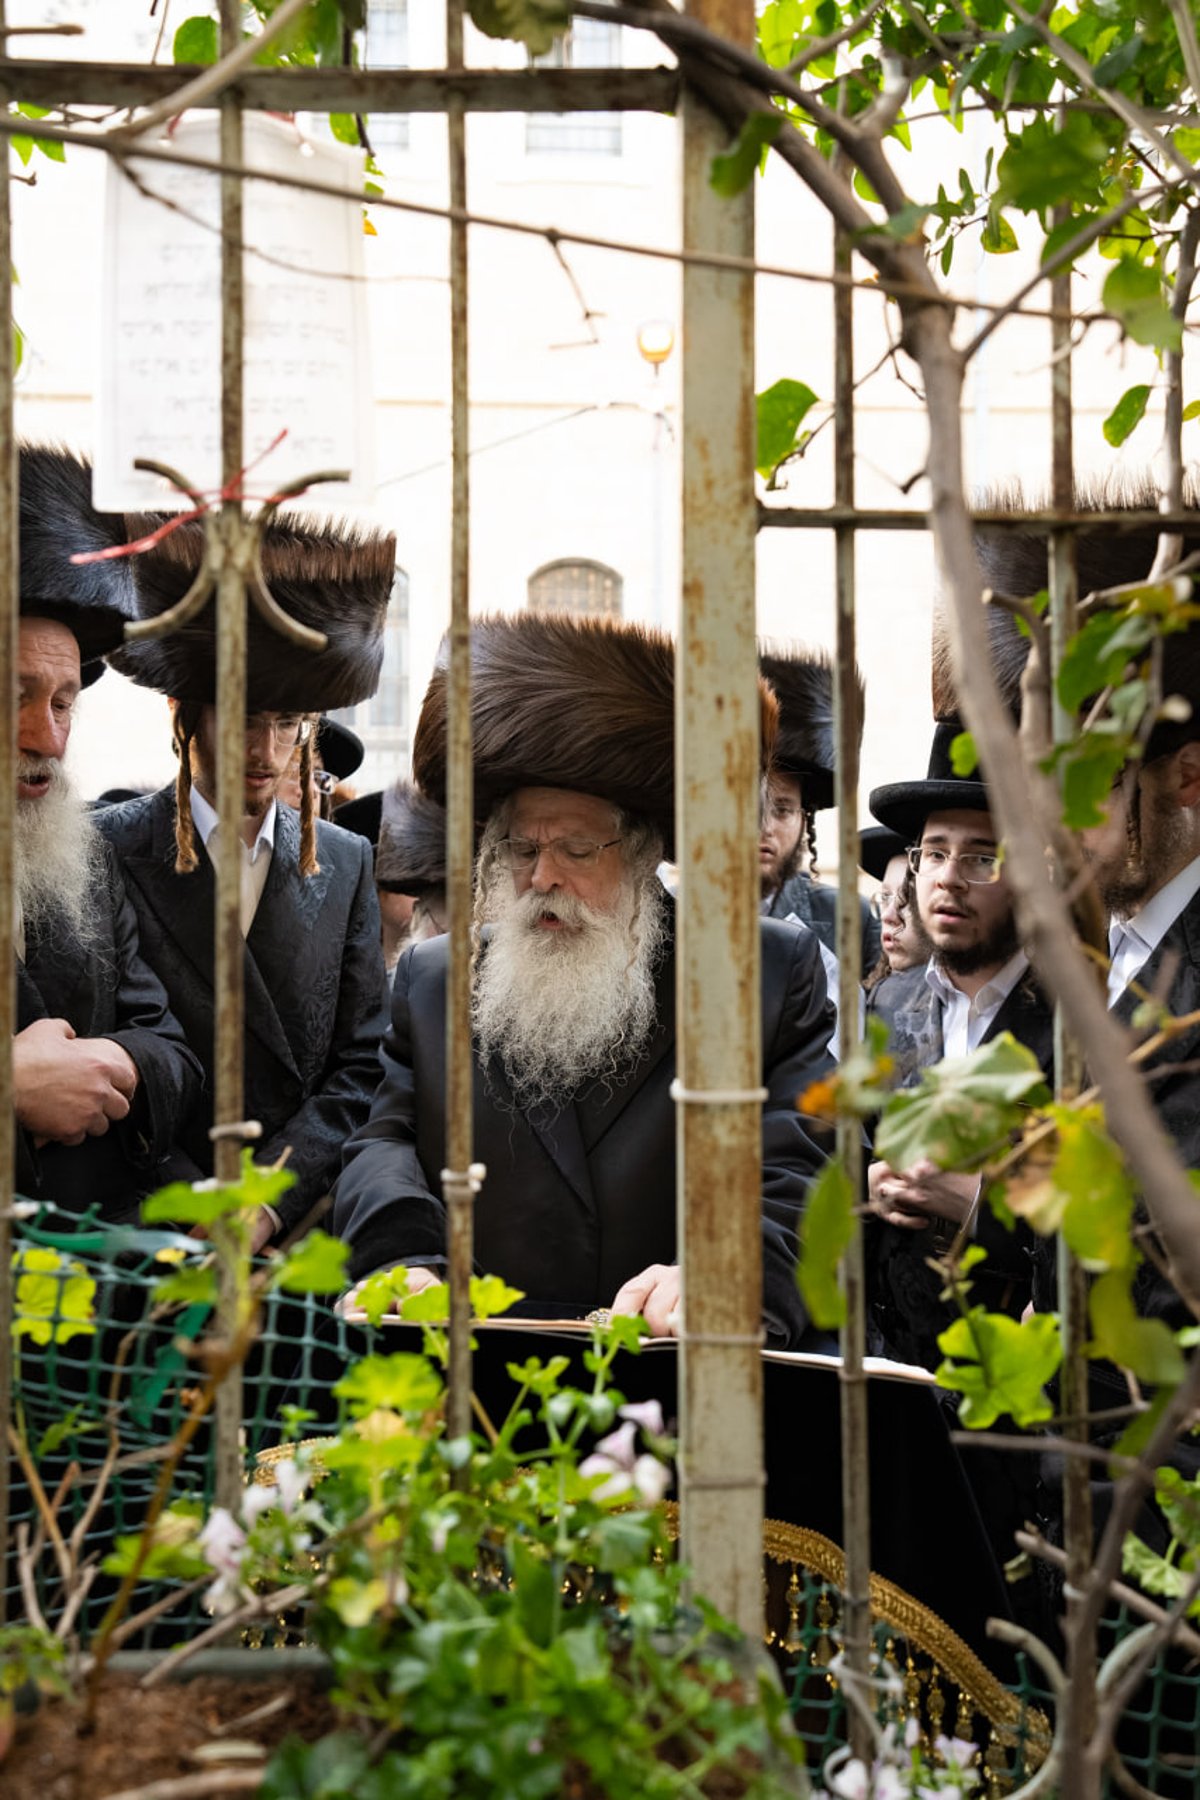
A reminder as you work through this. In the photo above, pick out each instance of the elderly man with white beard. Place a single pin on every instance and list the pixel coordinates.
(101, 1071)
(573, 1002)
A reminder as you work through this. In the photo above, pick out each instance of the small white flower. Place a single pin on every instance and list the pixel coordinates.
(256, 1501)
(439, 1534)
(223, 1541)
(651, 1478)
(912, 1733)
(889, 1784)
(619, 1480)
(646, 1413)
(290, 1483)
(851, 1782)
(956, 1752)
(618, 1445)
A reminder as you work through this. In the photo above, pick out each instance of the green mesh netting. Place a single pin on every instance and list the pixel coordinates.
(115, 1387)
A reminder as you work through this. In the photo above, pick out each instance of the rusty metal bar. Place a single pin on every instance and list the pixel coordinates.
(459, 1179)
(856, 1497)
(46, 82)
(9, 601)
(718, 999)
(229, 945)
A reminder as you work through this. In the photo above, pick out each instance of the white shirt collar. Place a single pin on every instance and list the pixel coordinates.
(206, 823)
(1150, 924)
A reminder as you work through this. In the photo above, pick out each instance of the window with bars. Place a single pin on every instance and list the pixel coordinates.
(576, 586)
(385, 46)
(588, 44)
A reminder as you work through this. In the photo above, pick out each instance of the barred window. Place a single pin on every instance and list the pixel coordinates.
(385, 46)
(576, 586)
(588, 44)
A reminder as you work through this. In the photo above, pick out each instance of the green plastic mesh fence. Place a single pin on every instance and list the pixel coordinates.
(100, 1376)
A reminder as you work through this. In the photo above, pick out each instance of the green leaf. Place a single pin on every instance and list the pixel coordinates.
(344, 127)
(1000, 1365)
(780, 410)
(357, 1602)
(825, 1230)
(316, 1266)
(1087, 772)
(1147, 1346)
(1126, 414)
(62, 1429)
(379, 1290)
(333, 1768)
(1118, 61)
(1191, 411)
(998, 238)
(1090, 1171)
(491, 1296)
(1043, 165)
(1133, 294)
(964, 757)
(23, 147)
(196, 41)
(186, 1287)
(963, 1108)
(400, 1383)
(54, 1298)
(203, 1202)
(732, 170)
(534, 23)
(1097, 654)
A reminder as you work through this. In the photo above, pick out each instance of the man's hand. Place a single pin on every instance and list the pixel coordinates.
(416, 1281)
(261, 1231)
(66, 1088)
(655, 1294)
(914, 1198)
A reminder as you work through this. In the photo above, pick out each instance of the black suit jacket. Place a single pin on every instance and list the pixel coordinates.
(577, 1202)
(315, 985)
(904, 1292)
(816, 905)
(105, 989)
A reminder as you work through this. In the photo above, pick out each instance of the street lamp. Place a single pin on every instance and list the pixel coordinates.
(655, 342)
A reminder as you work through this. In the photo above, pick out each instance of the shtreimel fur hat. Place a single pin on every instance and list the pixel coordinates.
(411, 857)
(805, 745)
(334, 579)
(566, 702)
(58, 521)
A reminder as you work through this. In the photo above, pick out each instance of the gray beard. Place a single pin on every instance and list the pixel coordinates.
(564, 1009)
(57, 855)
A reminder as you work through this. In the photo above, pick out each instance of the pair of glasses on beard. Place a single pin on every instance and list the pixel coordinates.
(567, 852)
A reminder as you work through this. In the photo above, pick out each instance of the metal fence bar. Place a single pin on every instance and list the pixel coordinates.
(458, 1186)
(718, 1002)
(9, 603)
(856, 1498)
(229, 945)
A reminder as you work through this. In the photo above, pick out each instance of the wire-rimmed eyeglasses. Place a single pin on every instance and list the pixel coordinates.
(285, 728)
(567, 852)
(977, 867)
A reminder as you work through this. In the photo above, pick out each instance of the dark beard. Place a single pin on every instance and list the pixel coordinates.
(1157, 846)
(993, 951)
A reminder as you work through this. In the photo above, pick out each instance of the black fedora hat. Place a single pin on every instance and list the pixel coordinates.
(340, 749)
(904, 806)
(361, 816)
(876, 848)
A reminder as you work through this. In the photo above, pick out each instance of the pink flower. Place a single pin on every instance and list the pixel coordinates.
(618, 1445)
(651, 1478)
(956, 1752)
(645, 1413)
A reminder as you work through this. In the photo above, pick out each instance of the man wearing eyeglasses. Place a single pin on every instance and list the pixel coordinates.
(976, 985)
(314, 978)
(573, 1002)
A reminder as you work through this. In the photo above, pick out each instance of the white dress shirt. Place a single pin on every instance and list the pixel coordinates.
(965, 1019)
(255, 858)
(1132, 942)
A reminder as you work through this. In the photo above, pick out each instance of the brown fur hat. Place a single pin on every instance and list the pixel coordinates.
(58, 521)
(335, 579)
(562, 701)
(411, 855)
(803, 684)
(1016, 563)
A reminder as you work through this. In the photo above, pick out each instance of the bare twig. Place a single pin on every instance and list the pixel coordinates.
(1170, 543)
(1185, 30)
(277, 1601)
(1034, 1544)
(207, 86)
(822, 46)
(1156, 1638)
(196, 1787)
(26, 1559)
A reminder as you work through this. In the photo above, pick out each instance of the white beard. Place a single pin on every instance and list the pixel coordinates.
(564, 1008)
(56, 851)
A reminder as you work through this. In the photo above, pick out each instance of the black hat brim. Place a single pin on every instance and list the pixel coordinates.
(876, 847)
(340, 749)
(361, 816)
(904, 806)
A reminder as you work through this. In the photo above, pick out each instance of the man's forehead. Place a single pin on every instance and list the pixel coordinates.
(962, 826)
(47, 648)
(562, 809)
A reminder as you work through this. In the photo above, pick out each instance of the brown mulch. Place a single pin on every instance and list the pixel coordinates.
(145, 1734)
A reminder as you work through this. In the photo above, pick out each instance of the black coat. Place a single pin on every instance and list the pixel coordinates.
(106, 990)
(816, 906)
(315, 985)
(576, 1203)
(904, 1292)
